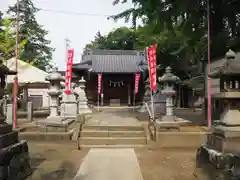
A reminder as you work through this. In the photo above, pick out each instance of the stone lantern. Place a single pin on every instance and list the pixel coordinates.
(82, 99)
(222, 146)
(168, 80)
(54, 91)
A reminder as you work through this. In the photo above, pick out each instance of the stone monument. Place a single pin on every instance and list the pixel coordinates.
(54, 121)
(82, 99)
(69, 105)
(222, 149)
(168, 80)
(14, 155)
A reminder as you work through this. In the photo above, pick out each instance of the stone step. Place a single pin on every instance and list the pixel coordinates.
(113, 128)
(111, 141)
(114, 146)
(92, 133)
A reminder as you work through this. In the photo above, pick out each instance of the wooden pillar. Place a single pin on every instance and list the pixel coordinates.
(129, 94)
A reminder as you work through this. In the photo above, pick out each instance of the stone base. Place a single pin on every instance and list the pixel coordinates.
(56, 124)
(214, 165)
(168, 118)
(142, 109)
(224, 139)
(82, 118)
(161, 125)
(84, 109)
(14, 162)
(68, 109)
(223, 144)
(5, 128)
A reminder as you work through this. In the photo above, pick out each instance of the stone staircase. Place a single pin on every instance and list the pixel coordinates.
(112, 136)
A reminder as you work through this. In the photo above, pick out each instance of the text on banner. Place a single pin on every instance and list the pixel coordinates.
(99, 83)
(137, 78)
(68, 74)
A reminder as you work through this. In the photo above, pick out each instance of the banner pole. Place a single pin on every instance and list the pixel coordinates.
(153, 116)
(98, 102)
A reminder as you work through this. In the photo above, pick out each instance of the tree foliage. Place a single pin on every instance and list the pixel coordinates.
(36, 50)
(8, 40)
(179, 28)
(120, 38)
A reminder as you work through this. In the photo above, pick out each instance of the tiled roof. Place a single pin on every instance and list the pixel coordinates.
(113, 61)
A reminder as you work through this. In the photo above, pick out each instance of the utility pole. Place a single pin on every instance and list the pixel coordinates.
(209, 92)
(15, 85)
(67, 46)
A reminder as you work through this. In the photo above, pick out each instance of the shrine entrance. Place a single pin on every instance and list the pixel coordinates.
(117, 89)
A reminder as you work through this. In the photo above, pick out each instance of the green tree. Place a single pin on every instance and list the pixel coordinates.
(179, 28)
(120, 38)
(36, 50)
(8, 40)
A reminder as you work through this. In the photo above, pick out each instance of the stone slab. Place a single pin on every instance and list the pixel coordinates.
(8, 139)
(109, 164)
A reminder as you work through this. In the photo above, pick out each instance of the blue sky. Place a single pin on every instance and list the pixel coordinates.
(79, 29)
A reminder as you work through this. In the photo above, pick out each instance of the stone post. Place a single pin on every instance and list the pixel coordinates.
(9, 114)
(30, 111)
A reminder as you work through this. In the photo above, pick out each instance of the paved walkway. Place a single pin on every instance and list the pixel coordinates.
(109, 164)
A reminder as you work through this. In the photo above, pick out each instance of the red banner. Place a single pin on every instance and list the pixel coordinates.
(152, 66)
(137, 78)
(99, 83)
(68, 74)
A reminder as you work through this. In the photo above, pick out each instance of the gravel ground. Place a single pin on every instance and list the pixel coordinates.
(163, 164)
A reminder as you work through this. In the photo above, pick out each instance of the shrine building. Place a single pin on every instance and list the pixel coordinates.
(118, 69)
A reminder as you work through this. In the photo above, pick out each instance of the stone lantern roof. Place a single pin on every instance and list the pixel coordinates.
(168, 76)
(230, 66)
(54, 75)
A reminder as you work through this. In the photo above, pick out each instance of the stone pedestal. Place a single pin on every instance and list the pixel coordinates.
(69, 106)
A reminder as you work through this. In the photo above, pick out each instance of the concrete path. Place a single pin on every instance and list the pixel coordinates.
(109, 164)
